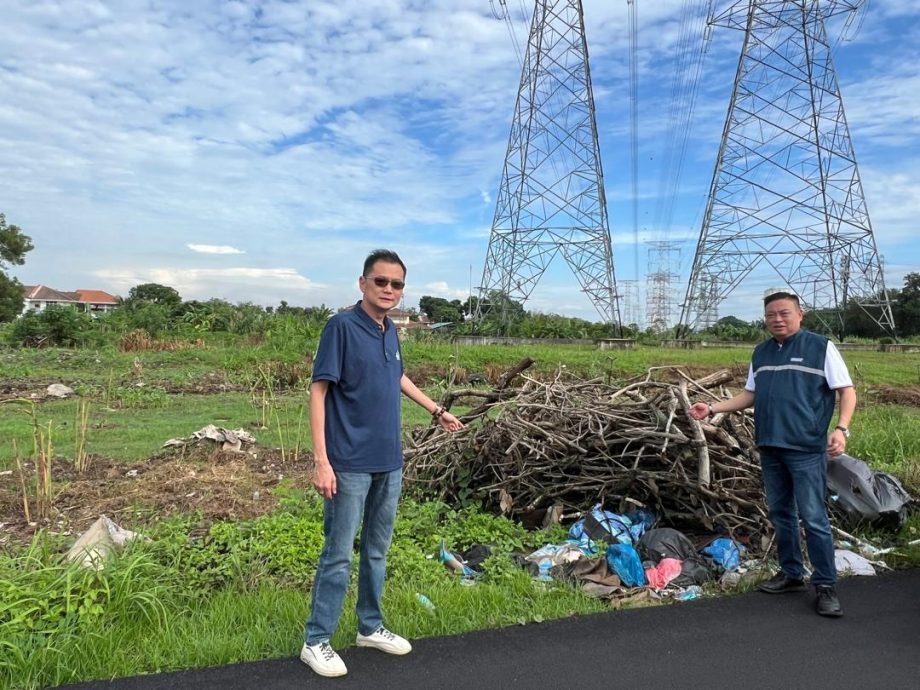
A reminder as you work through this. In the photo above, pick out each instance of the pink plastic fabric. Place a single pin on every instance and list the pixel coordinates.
(666, 570)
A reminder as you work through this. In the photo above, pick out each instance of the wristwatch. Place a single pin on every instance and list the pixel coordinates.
(846, 432)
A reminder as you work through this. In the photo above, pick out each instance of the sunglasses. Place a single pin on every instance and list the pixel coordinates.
(382, 282)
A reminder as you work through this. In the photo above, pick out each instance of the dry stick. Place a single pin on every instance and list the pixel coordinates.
(22, 483)
(699, 439)
(565, 412)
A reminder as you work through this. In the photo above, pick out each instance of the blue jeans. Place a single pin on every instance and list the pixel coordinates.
(375, 497)
(796, 486)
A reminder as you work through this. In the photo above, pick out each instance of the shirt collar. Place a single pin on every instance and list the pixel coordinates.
(367, 321)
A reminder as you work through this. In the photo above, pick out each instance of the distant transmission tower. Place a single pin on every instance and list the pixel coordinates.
(629, 302)
(659, 302)
(551, 197)
(786, 191)
(707, 294)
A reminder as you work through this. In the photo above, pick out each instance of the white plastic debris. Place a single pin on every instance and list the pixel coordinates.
(101, 540)
(229, 439)
(59, 390)
(850, 563)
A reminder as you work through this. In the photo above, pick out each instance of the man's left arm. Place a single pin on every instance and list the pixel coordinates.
(838, 378)
(443, 417)
(837, 441)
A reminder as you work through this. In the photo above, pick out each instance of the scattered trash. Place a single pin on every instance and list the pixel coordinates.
(59, 390)
(624, 561)
(659, 576)
(607, 526)
(725, 552)
(557, 553)
(666, 542)
(453, 562)
(863, 547)
(101, 540)
(593, 575)
(425, 602)
(229, 440)
(688, 593)
(862, 494)
(849, 563)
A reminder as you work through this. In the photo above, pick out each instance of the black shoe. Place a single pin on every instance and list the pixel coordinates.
(780, 584)
(827, 603)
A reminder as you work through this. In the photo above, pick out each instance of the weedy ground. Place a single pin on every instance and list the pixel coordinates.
(234, 538)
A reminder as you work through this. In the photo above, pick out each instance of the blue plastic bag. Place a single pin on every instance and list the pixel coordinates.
(624, 561)
(725, 552)
(602, 524)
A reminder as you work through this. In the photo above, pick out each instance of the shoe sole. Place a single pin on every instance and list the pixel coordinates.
(324, 674)
(831, 614)
(386, 650)
(785, 590)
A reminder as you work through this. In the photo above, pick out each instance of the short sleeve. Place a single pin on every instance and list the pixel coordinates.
(749, 384)
(835, 369)
(327, 364)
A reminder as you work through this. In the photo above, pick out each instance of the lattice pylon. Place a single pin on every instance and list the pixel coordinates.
(551, 199)
(786, 192)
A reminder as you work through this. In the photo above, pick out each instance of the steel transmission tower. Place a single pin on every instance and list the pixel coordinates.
(786, 191)
(551, 198)
(629, 302)
(659, 302)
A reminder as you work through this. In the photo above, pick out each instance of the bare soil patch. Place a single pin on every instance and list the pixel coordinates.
(217, 484)
(891, 395)
(31, 389)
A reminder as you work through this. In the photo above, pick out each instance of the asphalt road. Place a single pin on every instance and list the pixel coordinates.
(751, 640)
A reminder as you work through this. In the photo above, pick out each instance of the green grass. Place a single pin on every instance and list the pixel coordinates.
(239, 362)
(869, 368)
(99, 367)
(137, 432)
(169, 604)
(886, 436)
(231, 627)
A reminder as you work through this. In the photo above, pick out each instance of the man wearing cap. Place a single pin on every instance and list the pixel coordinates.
(794, 381)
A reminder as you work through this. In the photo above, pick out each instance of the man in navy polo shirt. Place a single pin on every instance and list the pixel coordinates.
(357, 444)
(794, 381)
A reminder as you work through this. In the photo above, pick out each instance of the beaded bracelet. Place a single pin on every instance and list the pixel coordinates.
(438, 411)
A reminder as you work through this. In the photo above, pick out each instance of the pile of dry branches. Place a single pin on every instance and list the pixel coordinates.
(572, 443)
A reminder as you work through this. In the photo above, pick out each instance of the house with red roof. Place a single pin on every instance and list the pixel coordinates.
(40, 297)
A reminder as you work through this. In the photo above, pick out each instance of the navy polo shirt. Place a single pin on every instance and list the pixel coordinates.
(363, 365)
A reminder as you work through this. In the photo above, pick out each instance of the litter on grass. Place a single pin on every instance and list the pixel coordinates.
(98, 543)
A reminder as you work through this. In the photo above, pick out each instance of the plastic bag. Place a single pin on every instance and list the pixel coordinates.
(624, 561)
(864, 495)
(725, 552)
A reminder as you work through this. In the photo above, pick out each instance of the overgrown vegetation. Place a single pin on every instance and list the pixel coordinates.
(60, 623)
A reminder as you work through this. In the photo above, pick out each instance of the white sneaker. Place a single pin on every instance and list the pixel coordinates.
(385, 641)
(323, 659)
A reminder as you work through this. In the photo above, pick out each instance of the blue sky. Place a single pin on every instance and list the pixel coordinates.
(257, 151)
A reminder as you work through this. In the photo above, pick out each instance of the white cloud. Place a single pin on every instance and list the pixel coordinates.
(244, 284)
(214, 249)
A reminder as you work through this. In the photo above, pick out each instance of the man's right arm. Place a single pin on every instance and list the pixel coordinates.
(323, 475)
(702, 410)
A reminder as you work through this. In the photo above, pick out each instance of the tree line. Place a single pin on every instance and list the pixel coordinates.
(159, 309)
